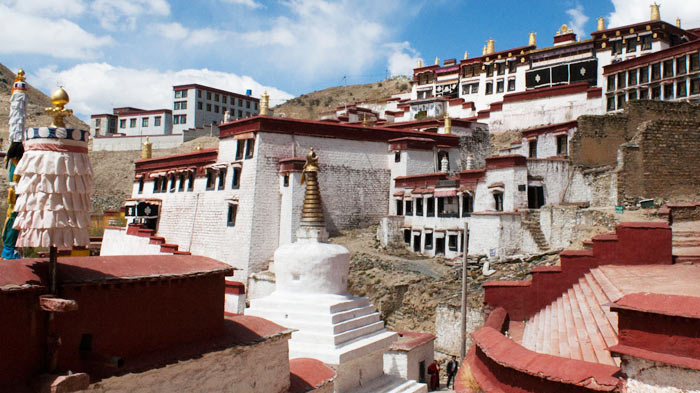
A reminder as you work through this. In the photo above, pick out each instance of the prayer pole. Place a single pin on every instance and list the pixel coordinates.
(463, 324)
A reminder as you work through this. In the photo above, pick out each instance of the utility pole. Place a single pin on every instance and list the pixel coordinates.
(463, 325)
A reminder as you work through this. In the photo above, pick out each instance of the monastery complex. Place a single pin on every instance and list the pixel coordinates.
(224, 279)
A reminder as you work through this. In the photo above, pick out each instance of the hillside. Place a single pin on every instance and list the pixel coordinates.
(310, 106)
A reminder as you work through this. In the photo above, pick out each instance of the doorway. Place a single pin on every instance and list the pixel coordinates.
(416, 242)
(535, 197)
(440, 246)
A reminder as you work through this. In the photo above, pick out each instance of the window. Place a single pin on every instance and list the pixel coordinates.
(499, 86)
(122, 123)
(211, 179)
(178, 93)
(632, 95)
(694, 86)
(467, 204)
(498, 201)
(632, 77)
(247, 114)
(240, 145)
(611, 103)
(97, 122)
(512, 66)
(164, 184)
(644, 75)
(631, 45)
(249, 148)
(208, 95)
(247, 104)
(452, 242)
(141, 183)
(156, 121)
(240, 102)
(431, 207)
(236, 182)
(184, 94)
(511, 84)
(428, 244)
(562, 145)
(501, 68)
(181, 185)
(656, 71)
(156, 185)
(216, 97)
(644, 93)
(208, 107)
(173, 183)
(240, 114)
(532, 148)
(656, 92)
(285, 180)
(222, 179)
(620, 101)
(681, 88)
(231, 216)
(465, 89)
(611, 82)
(399, 207)
(617, 47)
(397, 156)
(132, 123)
(489, 70)
(190, 181)
(668, 68)
(183, 104)
(646, 42)
(694, 62)
(144, 122)
(489, 88)
(475, 88)
(199, 94)
(216, 109)
(407, 238)
(200, 106)
(681, 66)
(467, 71)
(409, 208)
(176, 105)
(668, 91)
(419, 206)
(255, 106)
(621, 80)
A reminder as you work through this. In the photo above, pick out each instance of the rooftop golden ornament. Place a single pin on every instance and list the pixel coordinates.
(601, 24)
(532, 41)
(448, 124)
(490, 46)
(59, 99)
(655, 13)
(312, 210)
(265, 104)
(146, 149)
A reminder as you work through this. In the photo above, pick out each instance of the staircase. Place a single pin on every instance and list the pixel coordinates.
(391, 384)
(686, 241)
(530, 220)
(578, 324)
(139, 230)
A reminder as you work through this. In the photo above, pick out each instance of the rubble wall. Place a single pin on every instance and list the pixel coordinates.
(447, 327)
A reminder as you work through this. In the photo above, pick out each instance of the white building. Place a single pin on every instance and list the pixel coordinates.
(128, 121)
(196, 105)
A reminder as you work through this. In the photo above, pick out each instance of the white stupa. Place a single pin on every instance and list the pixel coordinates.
(339, 329)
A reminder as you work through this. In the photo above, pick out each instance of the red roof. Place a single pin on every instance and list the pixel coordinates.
(308, 374)
(411, 340)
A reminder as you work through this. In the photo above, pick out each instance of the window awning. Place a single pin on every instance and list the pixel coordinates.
(157, 174)
(399, 193)
(445, 193)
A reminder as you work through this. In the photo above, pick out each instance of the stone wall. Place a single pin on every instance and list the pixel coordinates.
(477, 143)
(447, 327)
(124, 143)
(644, 376)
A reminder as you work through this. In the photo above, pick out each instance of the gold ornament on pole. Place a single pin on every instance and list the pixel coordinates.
(437, 61)
(146, 149)
(601, 24)
(420, 63)
(678, 23)
(312, 211)
(265, 104)
(532, 39)
(466, 55)
(490, 46)
(655, 13)
(59, 99)
(448, 123)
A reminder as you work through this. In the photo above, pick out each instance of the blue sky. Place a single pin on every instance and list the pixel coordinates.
(130, 52)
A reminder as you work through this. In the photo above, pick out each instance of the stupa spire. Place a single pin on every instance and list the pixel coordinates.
(312, 211)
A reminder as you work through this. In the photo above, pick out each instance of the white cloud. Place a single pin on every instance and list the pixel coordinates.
(627, 12)
(248, 3)
(99, 87)
(402, 58)
(578, 20)
(61, 38)
(123, 14)
(66, 8)
(189, 37)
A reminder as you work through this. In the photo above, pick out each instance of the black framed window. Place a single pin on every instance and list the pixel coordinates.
(695, 86)
(611, 82)
(452, 242)
(681, 67)
(249, 148)
(211, 180)
(489, 87)
(156, 184)
(632, 95)
(668, 91)
(498, 201)
(631, 45)
(409, 208)
(489, 70)
(231, 216)
(164, 185)
(617, 47)
(620, 101)
(644, 74)
(173, 183)
(681, 88)
(467, 205)
(222, 179)
(532, 148)
(240, 149)
(511, 84)
(621, 80)
(656, 92)
(428, 242)
(431, 207)
(668, 68)
(419, 206)
(501, 68)
(562, 145)
(644, 93)
(190, 181)
(397, 156)
(499, 87)
(694, 62)
(236, 181)
(632, 77)
(181, 184)
(646, 42)
(611, 103)
(141, 183)
(399, 207)
(512, 66)
(656, 71)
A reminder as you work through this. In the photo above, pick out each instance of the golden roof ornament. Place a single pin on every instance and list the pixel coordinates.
(448, 124)
(678, 22)
(364, 119)
(601, 24)
(19, 78)
(532, 41)
(59, 99)
(265, 104)
(490, 46)
(146, 149)
(437, 61)
(312, 210)
(420, 63)
(466, 55)
(198, 147)
(655, 13)
(483, 50)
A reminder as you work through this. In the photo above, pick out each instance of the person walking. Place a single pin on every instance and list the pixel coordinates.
(434, 372)
(452, 367)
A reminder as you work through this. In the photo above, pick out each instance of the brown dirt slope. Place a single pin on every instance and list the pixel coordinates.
(310, 106)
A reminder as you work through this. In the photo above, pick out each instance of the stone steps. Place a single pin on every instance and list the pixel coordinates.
(530, 221)
(391, 384)
(577, 325)
(340, 338)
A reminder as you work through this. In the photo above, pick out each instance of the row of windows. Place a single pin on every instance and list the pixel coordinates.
(453, 243)
(180, 93)
(562, 146)
(224, 99)
(213, 175)
(630, 44)
(144, 122)
(179, 119)
(172, 183)
(676, 89)
(446, 206)
(232, 110)
(499, 86)
(179, 105)
(672, 67)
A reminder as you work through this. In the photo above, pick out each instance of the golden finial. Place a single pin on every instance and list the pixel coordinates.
(420, 63)
(448, 124)
(437, 60)
(364, 119)
(312, 210)
(265, 104)
(490, 46)
(19, 78)
(655, 14)
(198, 147)
(532, 39)
(678, 23)
(466, 55)
(483, 50)
(59, 99)
(601, 24)
(146, 149)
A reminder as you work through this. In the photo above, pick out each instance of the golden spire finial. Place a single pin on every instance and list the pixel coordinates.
(601, 24)
(448, 124)
(312, 210)
(490, 46)
(678, 22)
(59, 99)
(198, 147)
(265, 104)
(420, 63)
(146, 149)
(483, 50)
(18, 79)
(655, 13)
(466, 55)
(437, 61)
(532, 41)
(364, 119)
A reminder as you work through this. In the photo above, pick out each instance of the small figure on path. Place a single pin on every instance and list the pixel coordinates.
(434, 372)
(452, 367)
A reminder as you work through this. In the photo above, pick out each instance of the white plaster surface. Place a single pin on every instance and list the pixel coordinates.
(406, 364)
(644, 376)
(447, 327)
(115, 241)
